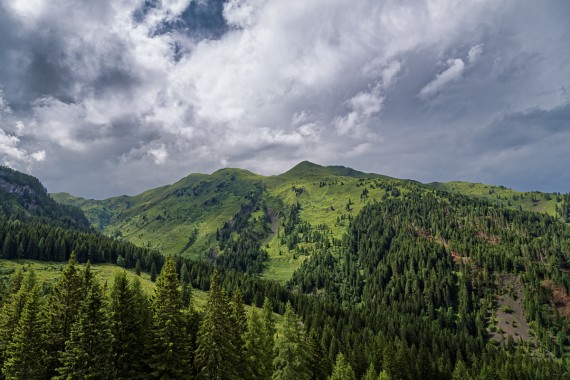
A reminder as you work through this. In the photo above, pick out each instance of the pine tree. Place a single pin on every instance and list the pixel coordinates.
(238, 325)
(342, 369)
(87, 353)
(460, 372)
(9, 248)
(127, 329)
(143, 318)
(319, 362)
(269, 325)
(292, 357)
(61, 313)
(170, 359)
(27, 347)
(184, 274)
(370, 373)
(259, 342)
(153, 272)
(138, 267)
(121, 261)
(216, 355)
(12, 309)
(255, 346)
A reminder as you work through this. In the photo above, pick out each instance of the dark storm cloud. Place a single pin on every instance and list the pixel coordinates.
(109, 97)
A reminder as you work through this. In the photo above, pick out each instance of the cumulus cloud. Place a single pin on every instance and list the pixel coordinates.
(13, 155)
(103, 89)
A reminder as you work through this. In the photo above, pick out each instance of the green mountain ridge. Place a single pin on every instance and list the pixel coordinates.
(186, 216)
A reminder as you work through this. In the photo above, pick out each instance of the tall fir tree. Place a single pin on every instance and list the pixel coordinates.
(255, 345)
(138, 267)
(27, 346)
(12, 309)
(144, 319)
(238, 325)
(170, 359)
(127, 330)
(291, 352)
(342, 369)
(371, 373)
(61, 313)
(319, 361)
(216, 354)
(87, 353)
(153, 271)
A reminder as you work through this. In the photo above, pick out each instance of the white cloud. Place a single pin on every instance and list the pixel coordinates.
(451, 74)
(159, 155)
(12, 154)
(38, 156)
(289, 81)
(474, 53)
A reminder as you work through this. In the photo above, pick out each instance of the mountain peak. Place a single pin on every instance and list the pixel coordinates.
(310, 169)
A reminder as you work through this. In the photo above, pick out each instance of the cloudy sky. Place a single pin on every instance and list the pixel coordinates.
(101, 98)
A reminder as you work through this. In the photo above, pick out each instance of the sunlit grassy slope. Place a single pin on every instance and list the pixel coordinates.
(49, 272)
(165, 218)
(530, 201)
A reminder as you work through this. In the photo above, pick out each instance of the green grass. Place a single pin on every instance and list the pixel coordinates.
(529, 201)
(49, 272)
(164, 218)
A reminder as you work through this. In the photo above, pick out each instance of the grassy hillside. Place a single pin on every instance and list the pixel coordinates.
(529, 201)
(185, 217)
(49, 272)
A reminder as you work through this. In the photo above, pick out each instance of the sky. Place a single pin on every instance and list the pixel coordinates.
(109, 97)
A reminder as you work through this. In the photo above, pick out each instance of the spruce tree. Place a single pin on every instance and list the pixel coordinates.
(12, 309)
(170, 359)
(238, 325)
(10, 312)
(270, 330)
(370, 373)
(153, 272)
(216, 354)
(319, 361)
(87, 353)
(342, 369)
(61, 312)
(127, 330)
(258, 340)
(144, 319)
(138, 267)
(255, 342)
(292, 357)
(27, 347)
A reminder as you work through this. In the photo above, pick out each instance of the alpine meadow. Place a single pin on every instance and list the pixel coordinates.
(284, 190)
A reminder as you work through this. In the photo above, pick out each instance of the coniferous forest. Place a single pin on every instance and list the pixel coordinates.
(422, 284)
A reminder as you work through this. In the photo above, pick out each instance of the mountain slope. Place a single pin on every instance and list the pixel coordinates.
(23, 196)
(291, 215)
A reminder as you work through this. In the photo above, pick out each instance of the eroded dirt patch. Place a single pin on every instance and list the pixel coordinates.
(507, 318)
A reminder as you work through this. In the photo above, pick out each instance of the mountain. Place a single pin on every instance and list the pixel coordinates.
(22, 196)
(185, 217)
(452, 280)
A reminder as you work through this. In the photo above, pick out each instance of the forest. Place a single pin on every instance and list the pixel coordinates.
(418, 286)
